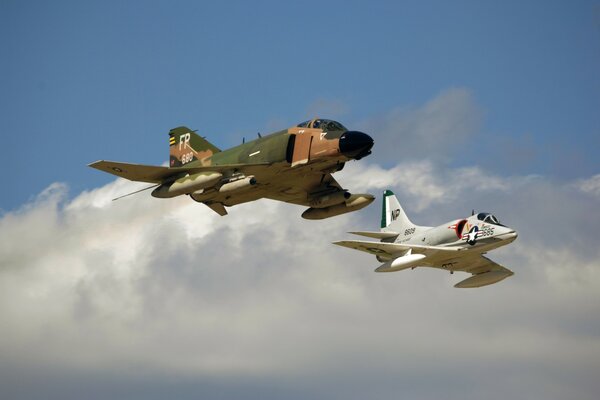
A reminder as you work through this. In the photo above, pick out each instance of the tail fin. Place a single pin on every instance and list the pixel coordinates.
(186, 146)
(393, 217)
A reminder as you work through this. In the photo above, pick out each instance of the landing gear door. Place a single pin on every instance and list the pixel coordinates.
(302, 145)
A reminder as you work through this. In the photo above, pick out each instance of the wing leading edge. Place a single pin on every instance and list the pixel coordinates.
(134, 172)
(158, 174)
(391, 249)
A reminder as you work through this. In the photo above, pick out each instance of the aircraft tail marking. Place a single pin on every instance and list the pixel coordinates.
(393, 217)
(186, 146)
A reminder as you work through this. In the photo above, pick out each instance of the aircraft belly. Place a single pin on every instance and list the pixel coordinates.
(279, 182)
(295, 185)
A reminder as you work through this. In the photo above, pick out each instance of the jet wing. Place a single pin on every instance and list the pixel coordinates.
(296, 188)
(390, 249)
(484, 272)
(157, 174)
(376, 235)
(134, 172)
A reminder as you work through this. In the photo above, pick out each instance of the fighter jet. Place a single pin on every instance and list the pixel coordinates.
(294, 165)
(458, 245)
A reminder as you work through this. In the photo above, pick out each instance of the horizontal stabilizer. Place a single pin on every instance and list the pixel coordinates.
(377, 235)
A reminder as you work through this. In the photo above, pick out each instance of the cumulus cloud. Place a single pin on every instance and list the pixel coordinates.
(590, 185)
(426, 183)
(167, 291)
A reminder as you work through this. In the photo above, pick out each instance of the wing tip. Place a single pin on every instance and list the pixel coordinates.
(95, 163)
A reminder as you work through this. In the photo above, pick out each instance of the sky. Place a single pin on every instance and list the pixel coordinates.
(491, 106)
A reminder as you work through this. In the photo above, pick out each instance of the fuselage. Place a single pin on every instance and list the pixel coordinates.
(320, 146)
(472, 231)
(314, 147)
(476, 234)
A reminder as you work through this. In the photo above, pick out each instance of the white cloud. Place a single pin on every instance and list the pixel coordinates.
(168, 289)
(424, 183)
(590, 185)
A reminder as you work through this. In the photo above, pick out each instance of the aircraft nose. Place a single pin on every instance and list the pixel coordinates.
(355, 144)
(511, 234)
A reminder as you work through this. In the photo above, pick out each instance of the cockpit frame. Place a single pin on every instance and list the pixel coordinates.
(326, 125)
(488, 218)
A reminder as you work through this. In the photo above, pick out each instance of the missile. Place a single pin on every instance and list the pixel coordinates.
(400, 263)
(487, 278)
(353, 203)
(187, 184)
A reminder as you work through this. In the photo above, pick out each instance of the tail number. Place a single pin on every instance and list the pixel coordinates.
(187, 157)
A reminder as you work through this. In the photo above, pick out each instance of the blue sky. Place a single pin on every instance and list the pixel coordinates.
(88, 80)
(472, 104)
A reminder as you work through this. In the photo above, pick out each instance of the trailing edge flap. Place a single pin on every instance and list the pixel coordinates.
(219, 208)
(376, 235)
(389, 249)
(158, 174)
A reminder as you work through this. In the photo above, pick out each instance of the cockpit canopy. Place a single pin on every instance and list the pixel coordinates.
(327, 125)
(489, 218)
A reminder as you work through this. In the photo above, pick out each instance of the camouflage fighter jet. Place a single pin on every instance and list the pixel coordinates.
(294, 165)
(458, 245)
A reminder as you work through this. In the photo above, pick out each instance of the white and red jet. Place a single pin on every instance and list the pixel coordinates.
(455, 246)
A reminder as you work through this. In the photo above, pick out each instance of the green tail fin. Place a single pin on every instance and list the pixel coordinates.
(393, 217)
(185, 146)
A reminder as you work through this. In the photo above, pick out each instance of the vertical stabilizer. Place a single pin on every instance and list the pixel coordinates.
(393, 217)
(186, 146)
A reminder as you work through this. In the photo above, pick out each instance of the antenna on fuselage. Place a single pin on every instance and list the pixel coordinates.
(473, 212)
